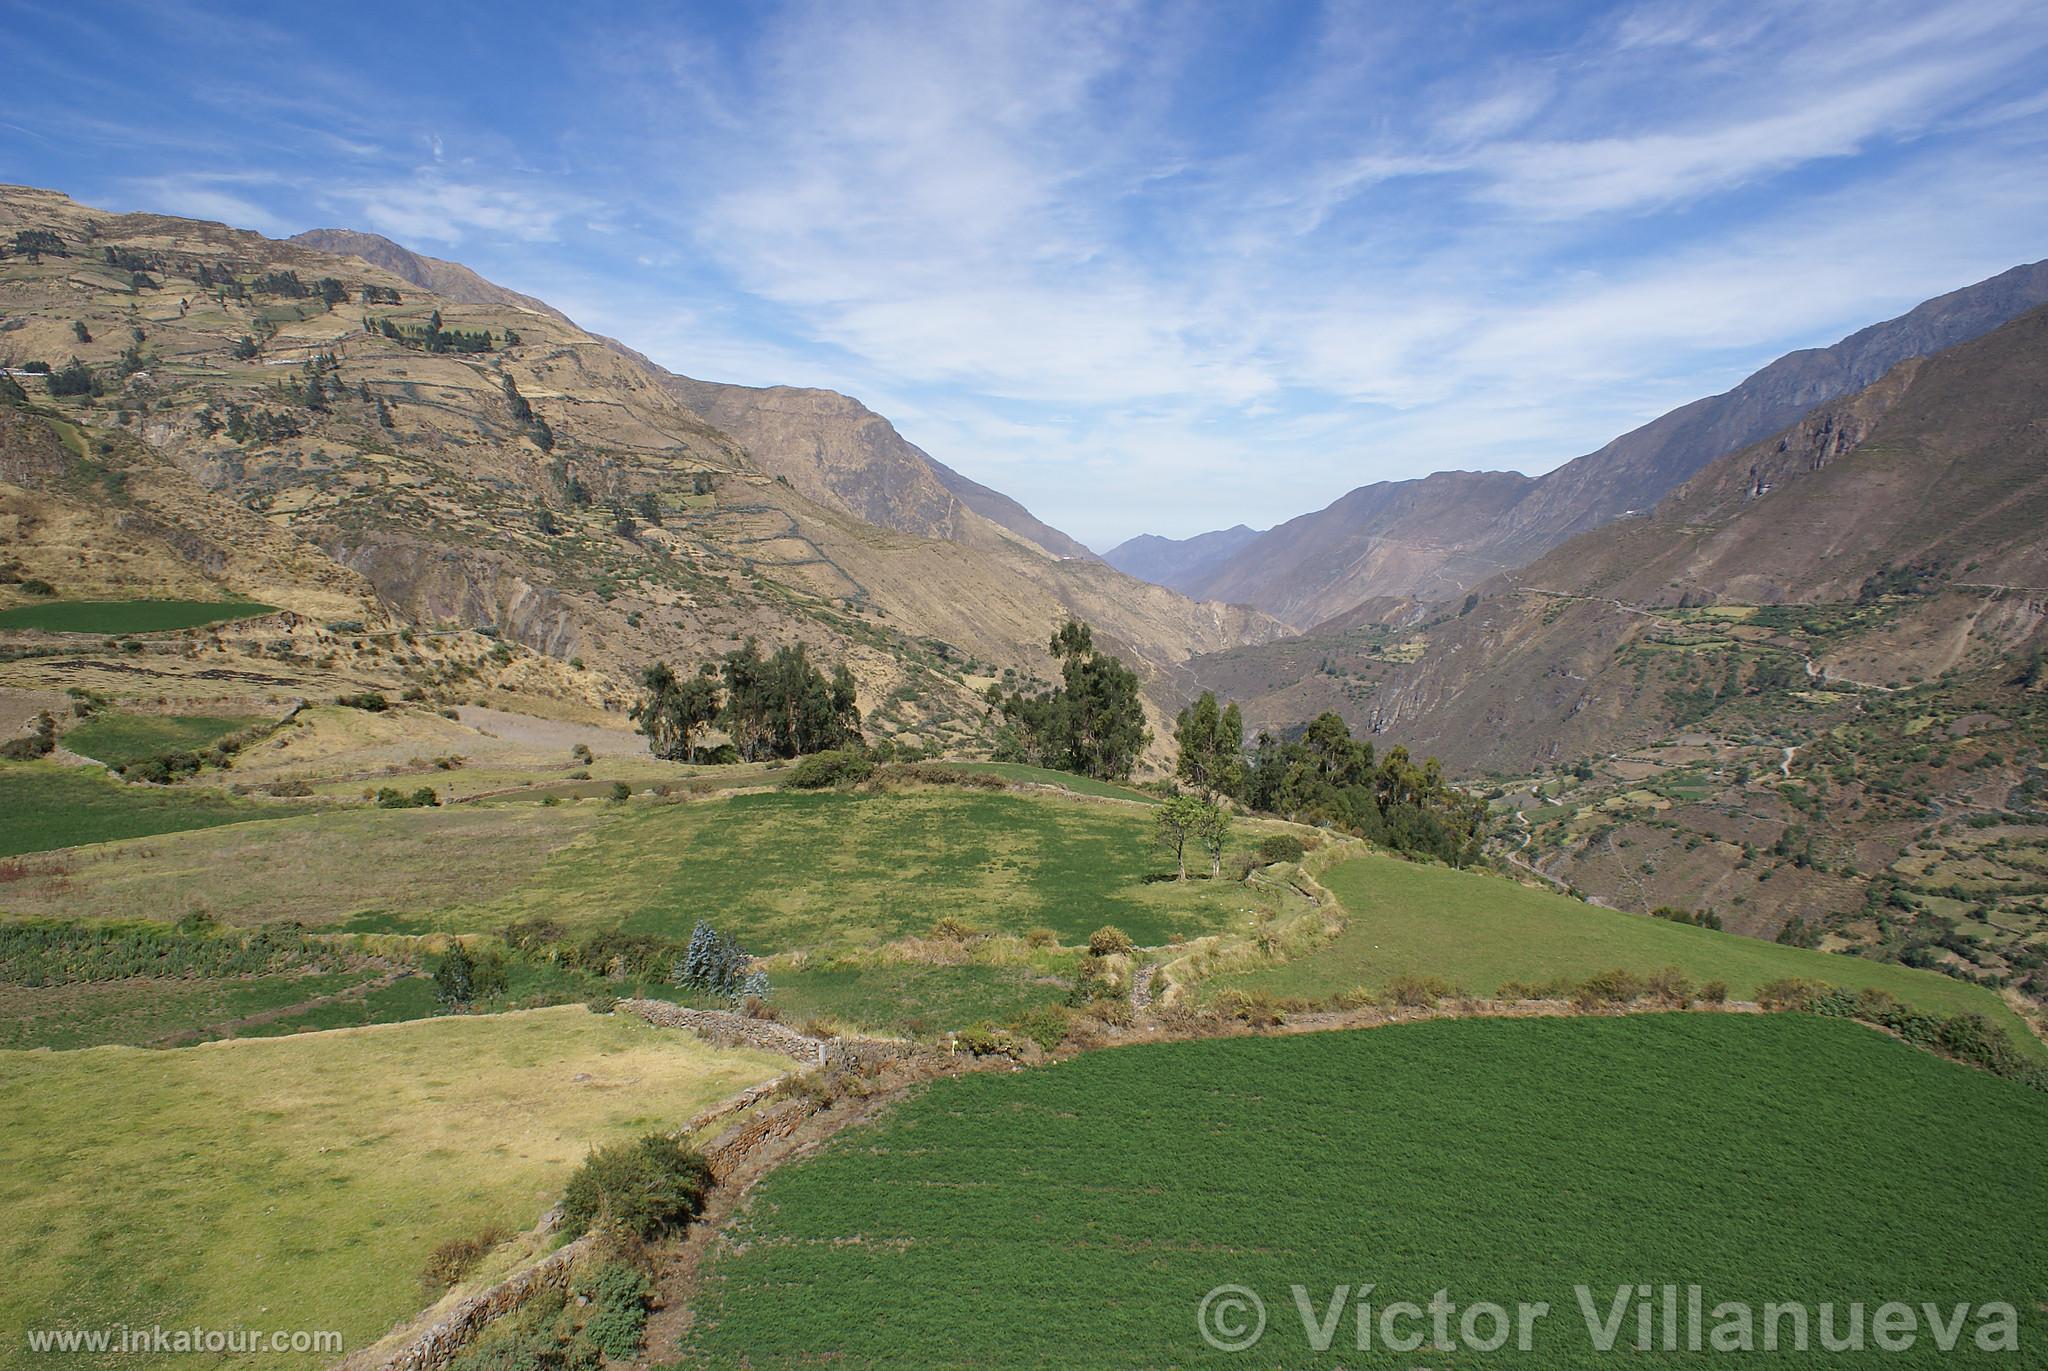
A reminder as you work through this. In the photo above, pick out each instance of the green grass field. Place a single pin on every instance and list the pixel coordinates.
(300, 1182)
(128, 616)
(45, 806)
(1063, 780)
(140, 1012)
(118, 739)
(784, 871)
(909, 998)
(1479, 932)
(1078, 1214)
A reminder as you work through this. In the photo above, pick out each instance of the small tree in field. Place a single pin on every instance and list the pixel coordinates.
(1211, 832)
(1175, 828)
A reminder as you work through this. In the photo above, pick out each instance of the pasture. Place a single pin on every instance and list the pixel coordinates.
(45, 806)
(119, 739)
(301, 1182)
(128, 616)
(1480, 932)
(1009, 1220)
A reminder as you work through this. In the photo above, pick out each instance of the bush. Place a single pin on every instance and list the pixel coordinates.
(453, 1260)
(1110, 940)
(1258, 1009)
(1672, 987)
(648, 1187)
(1280, 847)
(1608, 988)
(1047, 1026)
(953, 930)
(389, 797)
(824, 770)
(603, 1002)
(986, 1040)
(621, 792)
(1714, 992)
(372, 701)
(1041, 937)
(1789, 994)
(619, 1293)
(1418, 992)
(463, 978)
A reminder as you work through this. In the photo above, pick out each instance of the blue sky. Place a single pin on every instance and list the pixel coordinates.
(1146, 268)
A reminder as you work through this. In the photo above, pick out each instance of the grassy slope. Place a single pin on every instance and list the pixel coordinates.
(1479, 931)
(1063, 780)
(342, 862)
(128, 616)
(140, 1012)
(301, 1182)
(45, 806)
(1081, 1212)
(118, 739)
(796, 870)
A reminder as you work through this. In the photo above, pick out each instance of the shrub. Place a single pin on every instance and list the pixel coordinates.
(1258, 1009)
(603, 1002)
(953, 930)
(1418, 992)
(463, 978)
(1047, 1026)
(1672, 987)
(619, 1293)
(372, 701)
(986, 1040)
(1608, 988)
(581, 754)
(40, 742)
(823, 770)
(1109, 940)
(648, 1187)
(1113, 1010)
(453, 1260)
(1280, 847)
(1788, 994)
(1041, 937)
(389, 797)
(1714, 992)
(621, 792)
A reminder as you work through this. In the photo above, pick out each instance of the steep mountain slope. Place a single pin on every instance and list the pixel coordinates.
(838, 452)
(554, 489)
(1930, 485)
(1806, 691)
(1178, 562)
(449, 280)
(1435, 538)
(829, 446)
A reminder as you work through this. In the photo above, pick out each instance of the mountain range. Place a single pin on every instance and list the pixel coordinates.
(1435, 537)
(323, 432)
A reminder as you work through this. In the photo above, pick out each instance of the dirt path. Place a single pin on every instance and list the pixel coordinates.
(1141, 986)
(233, 1026)
(1516, 860)
(1785, 767)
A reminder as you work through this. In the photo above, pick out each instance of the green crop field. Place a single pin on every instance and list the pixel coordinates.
(118, 739)
(1479, 932)
(301, 1182)
(914, 998)
(44, 806)
(128, 616)
(1017, 1219)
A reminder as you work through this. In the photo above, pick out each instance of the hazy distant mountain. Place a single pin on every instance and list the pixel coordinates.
(1435, 538)
(1174, 562)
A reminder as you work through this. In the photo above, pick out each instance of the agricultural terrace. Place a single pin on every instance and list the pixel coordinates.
(1004, 1220)
(128, 616)
(45, 806)
(303, 1181)
(1479, 933)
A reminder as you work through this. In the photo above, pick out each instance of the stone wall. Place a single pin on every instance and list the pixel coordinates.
(724, 1029)
(449, 1334)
